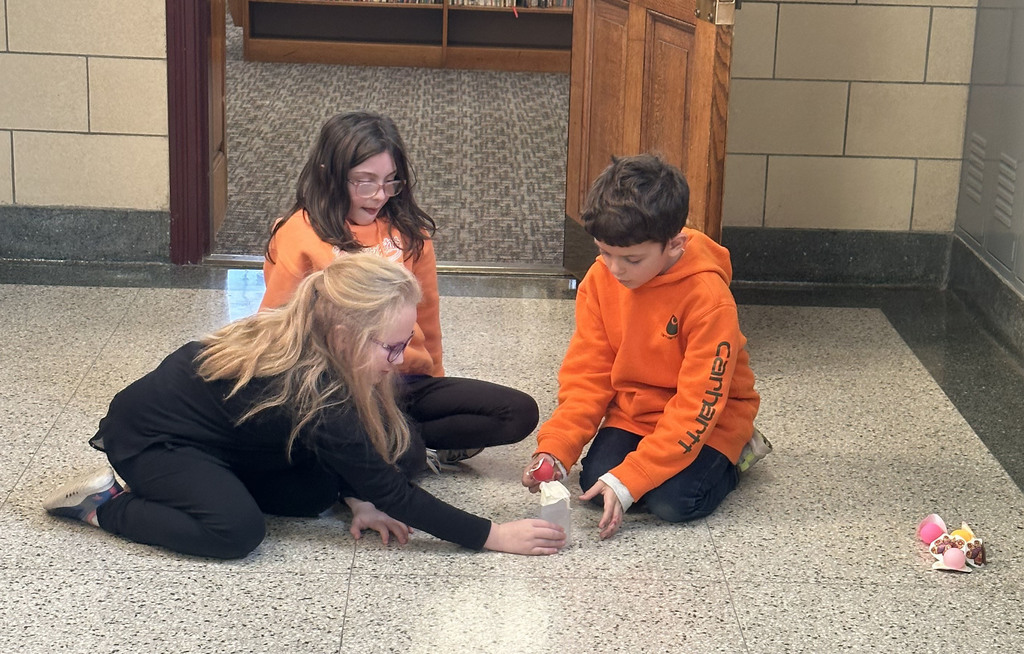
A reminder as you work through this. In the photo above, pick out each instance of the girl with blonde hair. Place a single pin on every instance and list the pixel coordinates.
(284, 412)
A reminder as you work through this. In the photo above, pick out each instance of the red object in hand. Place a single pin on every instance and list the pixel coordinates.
(544, 470)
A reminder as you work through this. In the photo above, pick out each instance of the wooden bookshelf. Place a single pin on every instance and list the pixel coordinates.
(435, 35)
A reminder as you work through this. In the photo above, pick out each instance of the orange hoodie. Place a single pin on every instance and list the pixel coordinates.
(297, 251)
(665, 361)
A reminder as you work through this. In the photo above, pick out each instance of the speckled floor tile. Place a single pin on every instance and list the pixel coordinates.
(489, 486)
(157, 612)
(943, 612)
(866, 446)
(815, 550)
(525, 616)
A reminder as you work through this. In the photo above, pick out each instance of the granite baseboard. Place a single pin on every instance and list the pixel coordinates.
(844, 257)
(812, 256)
(987, 294)
(79, 234)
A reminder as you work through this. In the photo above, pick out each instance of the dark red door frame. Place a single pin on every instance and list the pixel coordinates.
(188, 128)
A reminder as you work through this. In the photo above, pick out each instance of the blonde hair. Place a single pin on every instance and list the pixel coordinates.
(317, 349)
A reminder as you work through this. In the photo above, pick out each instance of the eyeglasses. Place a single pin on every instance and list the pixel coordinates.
(369, 189)
(394, 351)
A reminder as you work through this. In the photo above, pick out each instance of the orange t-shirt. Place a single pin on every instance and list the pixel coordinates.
(297, 251)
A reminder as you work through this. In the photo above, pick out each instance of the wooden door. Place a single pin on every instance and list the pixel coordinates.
(647, 76)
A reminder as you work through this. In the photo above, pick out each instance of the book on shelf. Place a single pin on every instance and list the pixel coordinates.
(522, 4)
(397, 2)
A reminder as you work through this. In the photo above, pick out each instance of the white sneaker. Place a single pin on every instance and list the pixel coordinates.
(438, 459)
(451, 457)
(80, 497)
(757, 448)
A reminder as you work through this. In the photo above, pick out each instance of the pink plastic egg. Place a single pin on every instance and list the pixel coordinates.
(544, 471)
(930, 532)
(954, 558)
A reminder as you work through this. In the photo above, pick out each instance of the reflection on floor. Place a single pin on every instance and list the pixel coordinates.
(883, 406)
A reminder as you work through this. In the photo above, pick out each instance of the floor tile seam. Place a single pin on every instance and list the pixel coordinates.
(348, 598)
(212, 570)
(737, 583)
(541, 575)
(728, 586)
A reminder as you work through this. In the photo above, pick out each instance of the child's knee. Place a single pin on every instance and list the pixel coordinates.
(681, 509)
(526, 412)
(673, 511)
(237, 538)
(518, 418)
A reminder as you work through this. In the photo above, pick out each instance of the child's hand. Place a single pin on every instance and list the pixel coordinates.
(534, 484)
(366, 516)
(529, 536)
(611, 519)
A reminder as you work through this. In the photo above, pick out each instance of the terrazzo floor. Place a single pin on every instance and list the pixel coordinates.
(814, 552)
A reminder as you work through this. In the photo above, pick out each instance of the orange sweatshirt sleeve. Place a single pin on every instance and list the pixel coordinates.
(428, 312)
(584, 384)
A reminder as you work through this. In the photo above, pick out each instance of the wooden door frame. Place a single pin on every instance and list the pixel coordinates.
(188, 128)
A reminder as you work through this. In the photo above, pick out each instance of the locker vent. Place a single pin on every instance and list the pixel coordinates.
(1006, 187)
(974, 167)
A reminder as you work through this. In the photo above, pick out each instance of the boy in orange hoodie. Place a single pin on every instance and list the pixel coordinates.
(657, 374)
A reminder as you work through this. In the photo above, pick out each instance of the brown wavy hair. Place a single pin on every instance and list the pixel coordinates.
(345, 141)
(317, 349)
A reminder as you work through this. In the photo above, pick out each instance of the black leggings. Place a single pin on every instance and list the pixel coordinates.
(454, 413)
(188, 501)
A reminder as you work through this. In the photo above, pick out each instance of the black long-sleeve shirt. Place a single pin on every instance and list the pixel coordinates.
(174, 405)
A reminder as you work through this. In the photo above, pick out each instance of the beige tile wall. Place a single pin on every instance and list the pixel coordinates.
(845, 94)
(848, 116)
(124, 172)
(113, 28)
(842, 192)
(87, 124)
(745, 171)
(52, 92)
(128, 96)
(6, 172)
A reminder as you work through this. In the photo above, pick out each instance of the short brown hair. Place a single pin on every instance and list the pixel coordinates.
(637, 199)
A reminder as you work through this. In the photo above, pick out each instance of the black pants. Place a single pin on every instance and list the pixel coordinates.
(186, 500)
(452, 413)
(693, 493)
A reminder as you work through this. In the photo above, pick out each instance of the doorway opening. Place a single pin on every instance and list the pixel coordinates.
(488, 147)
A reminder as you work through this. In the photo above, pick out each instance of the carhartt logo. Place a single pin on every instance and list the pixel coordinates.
(713, 391)
(672, 328)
